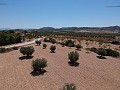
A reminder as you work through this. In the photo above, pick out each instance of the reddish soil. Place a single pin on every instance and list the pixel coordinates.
(91, 74)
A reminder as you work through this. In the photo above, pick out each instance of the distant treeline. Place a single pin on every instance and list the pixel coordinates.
(7, 38)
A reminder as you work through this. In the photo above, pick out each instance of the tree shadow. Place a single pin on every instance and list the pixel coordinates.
(37, 73)
(76, 64)
(25, 57)
(52, 51)
(101, 57)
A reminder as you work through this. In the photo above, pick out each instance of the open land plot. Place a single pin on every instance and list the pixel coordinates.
(91, 74)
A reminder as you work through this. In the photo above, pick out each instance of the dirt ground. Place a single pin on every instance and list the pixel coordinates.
(91, 74)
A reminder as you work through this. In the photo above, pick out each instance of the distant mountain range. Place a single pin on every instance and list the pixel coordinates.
(115, 29)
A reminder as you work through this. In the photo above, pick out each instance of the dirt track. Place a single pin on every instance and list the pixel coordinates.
(91, 74)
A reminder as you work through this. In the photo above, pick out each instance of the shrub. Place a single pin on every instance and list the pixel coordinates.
(73, 56)
(53, 41)
(2, 50)
(45, 39)
(69, 86)
(15, 48)
(27, 50)
(69, 43)
(109, 52)
(52, 48)
(112, 53)
(93, 49)
(38, 42)
(63, 44)
(115, 42)
(102, 52)
(44, 45)
(115, 54)
(39, 64)
(8, 49)
(78, 46)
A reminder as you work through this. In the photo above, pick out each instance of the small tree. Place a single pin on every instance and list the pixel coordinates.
(44, 45)
(69, 86)
(69, 43)
(27, 50)
(38, 42)
(39, 64)
(78, 46)
(73, 57)
(102, 52)
(52, 48)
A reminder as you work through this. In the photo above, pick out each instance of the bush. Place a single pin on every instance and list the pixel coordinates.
(38, 42)
(78, 46)
(115, 42)
(39, 64)
(69, 43)
(2, 50)
(52, 48)
(102, 52)
(46, 40)
(63, 44)
(8, 49)
(93, 49)
(115, 54)
(44, 45)
(69, 86)
(73, 56)
(15, 48)
(112, 53)
(27, 50)
(109, 52)
(53, 41)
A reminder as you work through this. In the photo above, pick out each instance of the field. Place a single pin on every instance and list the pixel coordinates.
(91, 74)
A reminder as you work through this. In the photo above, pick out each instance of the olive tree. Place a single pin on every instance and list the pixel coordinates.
(29, 50)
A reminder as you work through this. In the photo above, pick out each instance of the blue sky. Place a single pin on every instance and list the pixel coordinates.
(58, 13)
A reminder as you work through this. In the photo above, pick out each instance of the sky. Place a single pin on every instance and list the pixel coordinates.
(59, 13)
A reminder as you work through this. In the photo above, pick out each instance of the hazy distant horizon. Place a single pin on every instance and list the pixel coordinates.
(59, 13)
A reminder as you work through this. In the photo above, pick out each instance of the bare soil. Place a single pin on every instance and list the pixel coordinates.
(91, 74)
